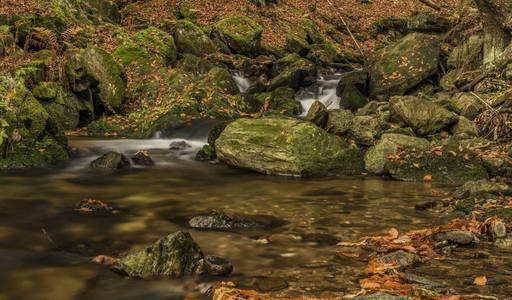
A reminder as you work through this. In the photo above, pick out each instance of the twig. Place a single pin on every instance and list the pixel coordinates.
(430, 4)
(473, 83)
(483, 101)
(346, 26)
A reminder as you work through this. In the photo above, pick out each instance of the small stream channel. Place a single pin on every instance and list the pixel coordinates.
(46, 246)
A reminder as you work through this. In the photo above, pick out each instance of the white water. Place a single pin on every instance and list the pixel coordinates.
(324, 90)
(242, 82)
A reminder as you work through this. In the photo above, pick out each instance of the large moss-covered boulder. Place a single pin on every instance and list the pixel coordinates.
(109, 75)
(293, 75)
(107, 9)
(352, 89)
(241, 34)
(446, 164)
(147, 47)
(175, 255)
(285, 146)
(423, 116)
(365, 130)
(191, 39)
(339, 121)
(405, 64)
(33, 140)
(467, 105)
(377, 156)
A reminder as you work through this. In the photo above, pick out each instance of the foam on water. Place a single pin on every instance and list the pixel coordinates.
(324, 90)
(242, 82)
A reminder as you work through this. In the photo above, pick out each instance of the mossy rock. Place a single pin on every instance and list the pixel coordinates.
(191, 39)
(148, 46)
(293, 75)
(107, 9)
(423, 116)
(352, 89)
(32, 72)
(285, 146)
(174, 256)
(438, 165)
(404, 65)
(241, 34)
(339, 121)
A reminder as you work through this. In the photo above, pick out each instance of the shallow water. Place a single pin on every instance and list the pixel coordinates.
(45, 246)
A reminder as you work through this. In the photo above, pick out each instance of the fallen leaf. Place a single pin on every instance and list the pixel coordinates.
(427, 177)
(482, 280)
(393, 233)
(416, 165)
(348, 254)
(466, 156)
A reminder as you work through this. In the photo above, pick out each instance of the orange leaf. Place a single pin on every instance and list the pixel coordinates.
(348, 254)
(466, 156)
(460, 148)
(438, 153)
(416, 165)
(427, 177)
(452, 153)
(393, 233)
(482, 280)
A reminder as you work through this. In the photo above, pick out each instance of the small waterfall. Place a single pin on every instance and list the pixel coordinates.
(324, 90)
(242, 82)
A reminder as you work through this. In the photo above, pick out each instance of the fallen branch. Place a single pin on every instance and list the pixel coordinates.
(483, 101)
(473, 83)
(348, 28)
(430, 4)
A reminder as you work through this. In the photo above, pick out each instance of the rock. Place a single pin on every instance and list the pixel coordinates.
(282, 101)
(111, 160)
(339, 121)
(207, 153)
(404, 65)
(376, 157)
(447, 81)
(317, 114)
(223, 221)
(222, 79)
(110, 76)
(423, 116)
(282, 64)
(191, 39)
(293, 75)
(456, 236)
(372, 108)
(365, 130)
(352, 89)
(142, 158)
(464, 126)
(217, 266)
(91, 205)
(415, 279)
(437, 165)
(381, 296)
(215, 132)
(297, 44)
(173, 256)
(505, 243)
(428, 22)
(400, 257)
(498, 229)
(33, 138)
(474, 188)
(179, 146)
(241, 34)
(46, 90)
(467, 105)
(279, 146)
(270, 284)
(467, 55)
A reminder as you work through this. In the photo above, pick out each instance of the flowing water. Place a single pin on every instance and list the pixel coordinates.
(46, 246)
(324, 90)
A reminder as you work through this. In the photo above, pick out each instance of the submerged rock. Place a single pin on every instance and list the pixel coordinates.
(217, 266)
(173, 256)
(381, 296)
(223, 221)
(111, 160)
(285, 146)
(207, 153)
(270, 284)
(400, 257)
(475, 188)
(179, 146)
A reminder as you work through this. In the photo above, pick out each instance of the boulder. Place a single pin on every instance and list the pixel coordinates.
(423, 116)
(405, 64)
(241, 34)
(446, 164)
(285, 146)
(377, 156)
(428, 22)
(293, 75)
(142, 158)
(467, 55)
(467, 105)
(400, 258)
(459, 237)
(475, 188)
(339, 121)
(365, 130)
(110, 161)
(382, 296)
(179, 146)
(207, 153)
(175, 255)
(317, 114)
(191, 39)
(352, 89)
(223, 221)
(464, 127)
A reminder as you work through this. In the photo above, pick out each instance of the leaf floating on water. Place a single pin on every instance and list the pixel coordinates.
(349, 254)
(104, 259)
(482, 280)
(427, 177)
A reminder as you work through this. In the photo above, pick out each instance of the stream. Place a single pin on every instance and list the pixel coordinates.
(46, 246)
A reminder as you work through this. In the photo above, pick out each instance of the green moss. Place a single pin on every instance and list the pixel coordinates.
(191, 39)
(240, 33)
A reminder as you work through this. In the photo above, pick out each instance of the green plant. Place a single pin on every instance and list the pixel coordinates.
(3, 124)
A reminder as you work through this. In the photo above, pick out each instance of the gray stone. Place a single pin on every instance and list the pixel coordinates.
(110, 161)
(400, 257)
(456, 236)
(339, 121)
(498, 229)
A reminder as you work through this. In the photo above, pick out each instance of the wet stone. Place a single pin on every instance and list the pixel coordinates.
(217, 266)
(381, 296)
(456, 236)
(270, 284)
(413, 278)
(402, 258)
(223, 221)
(179, 146)
(111, 160)
(504, 243)
(142, 158)
(498, 229)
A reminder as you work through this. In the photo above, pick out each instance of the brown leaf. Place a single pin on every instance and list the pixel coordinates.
(452, 153)
(482, 280)
(348, 254)
(427, 177)
(393, 233)
(466, 156)
(416, 165)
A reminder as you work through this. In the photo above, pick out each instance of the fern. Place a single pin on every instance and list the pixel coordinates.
(43, 38)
